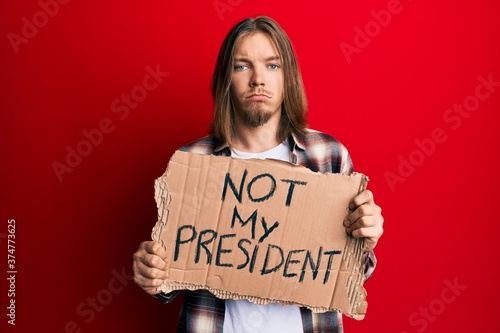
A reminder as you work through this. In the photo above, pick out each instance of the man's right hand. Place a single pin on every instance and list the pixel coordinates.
(150, 266)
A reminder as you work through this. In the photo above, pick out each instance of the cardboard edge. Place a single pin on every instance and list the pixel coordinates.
(353, 259)
(169, 286)
(163, 200)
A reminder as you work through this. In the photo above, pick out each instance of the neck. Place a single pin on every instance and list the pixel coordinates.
(256, 139)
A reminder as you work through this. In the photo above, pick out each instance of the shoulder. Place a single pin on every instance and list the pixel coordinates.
(318, 142)
(322, 152)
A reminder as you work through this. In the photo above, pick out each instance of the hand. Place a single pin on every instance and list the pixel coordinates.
(366, 220)
(150, 266)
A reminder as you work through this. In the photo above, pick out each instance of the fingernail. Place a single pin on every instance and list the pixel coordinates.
(346, 222)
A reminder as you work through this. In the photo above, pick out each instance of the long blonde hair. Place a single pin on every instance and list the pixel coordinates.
(294, 106)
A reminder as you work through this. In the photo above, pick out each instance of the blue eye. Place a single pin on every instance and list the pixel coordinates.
(239, 67)
(274, 66)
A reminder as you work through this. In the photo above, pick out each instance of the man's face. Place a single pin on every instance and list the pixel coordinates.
(257, 85)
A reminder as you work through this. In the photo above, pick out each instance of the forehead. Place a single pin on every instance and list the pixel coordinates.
(256, 45)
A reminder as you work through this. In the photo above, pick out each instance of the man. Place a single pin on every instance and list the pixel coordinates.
(260, 112)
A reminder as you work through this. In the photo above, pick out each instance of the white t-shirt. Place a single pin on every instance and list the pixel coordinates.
(242, 316)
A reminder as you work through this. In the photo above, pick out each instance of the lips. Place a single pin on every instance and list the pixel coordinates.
(257, 97)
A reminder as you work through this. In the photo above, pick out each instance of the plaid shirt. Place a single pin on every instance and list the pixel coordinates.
(201, 312)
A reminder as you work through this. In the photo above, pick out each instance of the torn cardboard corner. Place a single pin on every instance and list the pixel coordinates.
(262, 230)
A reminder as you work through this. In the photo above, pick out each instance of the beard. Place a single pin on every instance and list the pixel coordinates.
(256, 118)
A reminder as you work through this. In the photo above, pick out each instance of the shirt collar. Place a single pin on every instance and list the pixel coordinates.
(222, 149)
(296, 140)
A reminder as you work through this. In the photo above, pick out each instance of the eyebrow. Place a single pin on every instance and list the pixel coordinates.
(271, 58)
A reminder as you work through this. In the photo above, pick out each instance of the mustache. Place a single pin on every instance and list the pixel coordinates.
(258, 92)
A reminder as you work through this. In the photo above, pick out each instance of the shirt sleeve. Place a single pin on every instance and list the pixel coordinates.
(167, 297)
(369, 264)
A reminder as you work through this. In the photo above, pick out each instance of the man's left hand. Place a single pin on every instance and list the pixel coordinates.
(366, 219)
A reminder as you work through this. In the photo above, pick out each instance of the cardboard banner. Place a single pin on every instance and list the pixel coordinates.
(262, 230)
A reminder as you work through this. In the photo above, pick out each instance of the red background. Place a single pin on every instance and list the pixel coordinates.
(441, 222)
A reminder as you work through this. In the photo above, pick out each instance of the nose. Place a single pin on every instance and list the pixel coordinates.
(257, 78)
